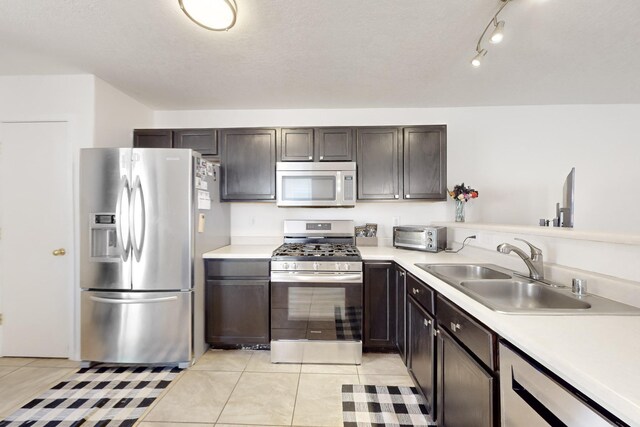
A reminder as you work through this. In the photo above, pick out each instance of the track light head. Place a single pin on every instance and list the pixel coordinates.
(498, 33)
(477, 60)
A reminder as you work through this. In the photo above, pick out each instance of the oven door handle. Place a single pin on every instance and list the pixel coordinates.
(317, 277)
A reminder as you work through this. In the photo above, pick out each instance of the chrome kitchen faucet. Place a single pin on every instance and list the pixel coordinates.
(534, 263)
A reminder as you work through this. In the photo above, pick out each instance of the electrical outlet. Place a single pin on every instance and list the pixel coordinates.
(0, 319)
(396, 221)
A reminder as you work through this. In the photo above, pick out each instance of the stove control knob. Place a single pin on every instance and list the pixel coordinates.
(285, 265)
(294, 265)
(338, 266)
(316, 265)
(347, 266)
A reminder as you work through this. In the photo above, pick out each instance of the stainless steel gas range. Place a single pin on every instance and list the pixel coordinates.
(316, 294)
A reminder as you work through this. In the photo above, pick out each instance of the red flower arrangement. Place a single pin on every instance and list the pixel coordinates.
(462, 193)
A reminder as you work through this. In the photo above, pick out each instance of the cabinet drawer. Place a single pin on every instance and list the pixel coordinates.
(240, 268)
(421, 293)
(476, 337)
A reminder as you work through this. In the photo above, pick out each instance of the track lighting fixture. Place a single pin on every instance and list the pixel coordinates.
(496, 35)
(477, 60)
(215, 15)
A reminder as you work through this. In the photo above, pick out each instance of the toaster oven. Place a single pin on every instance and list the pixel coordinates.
(420, 237)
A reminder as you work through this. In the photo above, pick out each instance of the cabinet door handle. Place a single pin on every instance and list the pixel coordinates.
(436, 332)
(408, 196)
(402, 274)
(397, 196)
(415, 291)
(427, 322)
(321, 157)
(310, 157)
(455, 326)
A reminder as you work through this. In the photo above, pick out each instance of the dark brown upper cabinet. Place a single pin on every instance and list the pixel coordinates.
(153, 138)
(316, 145)
(402, 164)
(204, 141)
(334, 145)
(378, 156)
(425, 162)
(248, 164)
(296, 145)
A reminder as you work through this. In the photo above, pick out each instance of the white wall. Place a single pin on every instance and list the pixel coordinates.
(116, 115)
(254, 223)
(517, 157)
(64, 98)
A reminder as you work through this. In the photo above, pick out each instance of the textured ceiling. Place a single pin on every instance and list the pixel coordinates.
(334, 53)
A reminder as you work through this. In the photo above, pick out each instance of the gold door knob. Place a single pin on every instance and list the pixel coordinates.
(59, 252)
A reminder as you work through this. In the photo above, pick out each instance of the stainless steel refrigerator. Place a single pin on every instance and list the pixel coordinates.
(146, 217)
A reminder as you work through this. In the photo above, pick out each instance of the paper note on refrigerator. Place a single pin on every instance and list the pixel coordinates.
(204, 200)
(201, 184)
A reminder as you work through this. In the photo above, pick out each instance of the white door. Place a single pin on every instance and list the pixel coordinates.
(36, 284)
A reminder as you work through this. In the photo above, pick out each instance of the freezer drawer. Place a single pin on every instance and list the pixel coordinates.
(136, 327)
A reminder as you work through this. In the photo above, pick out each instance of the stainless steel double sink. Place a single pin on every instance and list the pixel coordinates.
(503, 291)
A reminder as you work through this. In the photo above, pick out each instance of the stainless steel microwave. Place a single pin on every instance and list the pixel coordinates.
(420, 238)
(308, 184)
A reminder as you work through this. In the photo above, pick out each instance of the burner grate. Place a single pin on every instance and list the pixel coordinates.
(313, 250)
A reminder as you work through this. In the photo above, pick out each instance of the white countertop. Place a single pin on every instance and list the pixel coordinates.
(241, 251)
(599, 355)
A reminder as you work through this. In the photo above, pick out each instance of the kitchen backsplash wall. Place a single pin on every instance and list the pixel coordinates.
(255, 223)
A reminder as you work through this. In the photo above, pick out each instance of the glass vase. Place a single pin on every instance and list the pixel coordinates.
(459, 211)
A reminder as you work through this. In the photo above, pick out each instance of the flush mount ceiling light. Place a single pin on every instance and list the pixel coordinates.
(496, 35)
(215, 15)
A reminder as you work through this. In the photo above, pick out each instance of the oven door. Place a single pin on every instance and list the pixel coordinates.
(315, 188)
(316, 306)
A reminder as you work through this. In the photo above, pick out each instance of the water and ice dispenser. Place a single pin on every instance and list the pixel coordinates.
(104, 240)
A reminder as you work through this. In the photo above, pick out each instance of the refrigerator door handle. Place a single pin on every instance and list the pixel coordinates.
(135, 194)
(126, 246)
(132, 301)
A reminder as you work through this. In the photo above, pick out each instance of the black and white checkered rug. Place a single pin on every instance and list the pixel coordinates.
(101, 396)
(370, 405)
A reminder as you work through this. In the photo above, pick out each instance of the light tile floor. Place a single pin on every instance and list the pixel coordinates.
(22, 379)
(226, 388)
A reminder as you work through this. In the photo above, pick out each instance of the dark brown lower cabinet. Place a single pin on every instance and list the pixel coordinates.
(237, 302)
(421, 356)
(466, 390)
(379, 305)
(237, 311)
